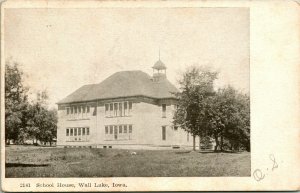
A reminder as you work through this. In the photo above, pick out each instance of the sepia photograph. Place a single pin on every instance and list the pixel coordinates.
(149, 96)
(127, 92)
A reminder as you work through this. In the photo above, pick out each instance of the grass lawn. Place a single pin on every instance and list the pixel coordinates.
(29, 161)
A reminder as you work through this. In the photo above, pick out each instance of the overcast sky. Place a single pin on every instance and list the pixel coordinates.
(62, 49)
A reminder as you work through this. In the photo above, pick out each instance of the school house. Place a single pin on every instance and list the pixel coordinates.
(129, 110)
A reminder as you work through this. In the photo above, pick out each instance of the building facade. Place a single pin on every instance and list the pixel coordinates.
(129, 110)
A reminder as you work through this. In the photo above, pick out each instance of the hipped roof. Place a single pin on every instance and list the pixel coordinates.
(123, 84)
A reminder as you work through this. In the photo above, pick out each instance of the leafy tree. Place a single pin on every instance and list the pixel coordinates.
(43, 122)
(229, 118)
(196, 85)
(16, 103)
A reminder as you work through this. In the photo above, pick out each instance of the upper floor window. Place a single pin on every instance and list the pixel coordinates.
(119, 109)
(78, 111)
(67, 132)
(164, 109)
(125, 108)
(106, 109)
(130, 108)
(115, 109)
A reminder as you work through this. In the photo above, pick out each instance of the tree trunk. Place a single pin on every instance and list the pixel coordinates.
(221, 147)
(194, 143)
(199, 143)
(217, 142)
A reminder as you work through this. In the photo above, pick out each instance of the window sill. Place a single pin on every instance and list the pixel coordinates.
(78, 119)
(117, 116)
(77, 141)
(118, 139)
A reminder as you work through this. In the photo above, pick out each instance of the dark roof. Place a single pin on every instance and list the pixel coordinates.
(159, 65)
(123, 84)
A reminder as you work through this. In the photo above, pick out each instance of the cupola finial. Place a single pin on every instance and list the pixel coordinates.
(159, 53)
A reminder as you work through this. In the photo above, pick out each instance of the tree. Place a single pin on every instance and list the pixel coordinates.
(16, 103)
(229, 118)
(196, 86)
(44, 121)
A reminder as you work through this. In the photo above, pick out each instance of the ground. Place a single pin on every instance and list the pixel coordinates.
(29, 161)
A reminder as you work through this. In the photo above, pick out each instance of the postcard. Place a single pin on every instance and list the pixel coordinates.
(150, 96)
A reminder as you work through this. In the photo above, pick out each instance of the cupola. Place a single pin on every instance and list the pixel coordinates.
(159, 70)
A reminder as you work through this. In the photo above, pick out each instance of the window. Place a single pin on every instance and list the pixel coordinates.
(106, 109)
(67, 132)
(88, 109)
(125, 108)
(115, 109)
(164, 108)
(130, 108)
(120, 109)
(164, 133)
(111, 129)
(116, 132)
(75, 109)
(68, 111)
(75, 131)
(83, 110)
(130, 128)
(79, 109)
(72, 110)
(71, 133)
(79, 131)
(175, 128)
(83, 131)
(111, 108)
(87, 131)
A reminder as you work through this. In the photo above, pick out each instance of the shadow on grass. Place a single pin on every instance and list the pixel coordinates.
(232, 152)
(182, 152)
(8, 165)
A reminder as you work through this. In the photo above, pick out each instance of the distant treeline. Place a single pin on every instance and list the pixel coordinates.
(26, 119)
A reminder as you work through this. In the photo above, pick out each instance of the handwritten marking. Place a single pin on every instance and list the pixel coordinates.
(258, 175)
(275, 165)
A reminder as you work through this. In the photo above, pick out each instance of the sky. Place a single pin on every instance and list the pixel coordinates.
(61, 50)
